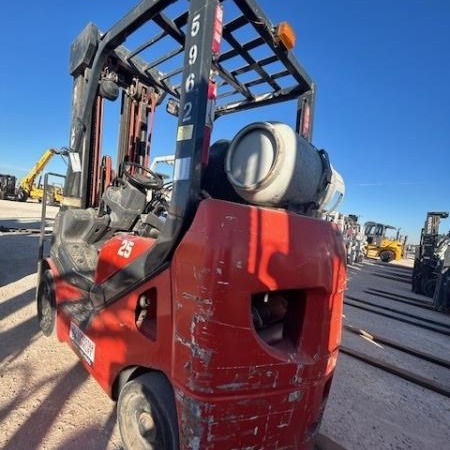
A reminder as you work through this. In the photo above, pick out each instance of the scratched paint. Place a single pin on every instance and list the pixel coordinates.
(251, 395)
(197, 299)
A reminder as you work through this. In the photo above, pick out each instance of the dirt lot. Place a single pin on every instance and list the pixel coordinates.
(370, 409)
(47, 400)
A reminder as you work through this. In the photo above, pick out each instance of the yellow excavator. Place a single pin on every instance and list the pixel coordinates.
(27, 187)
(379, 245)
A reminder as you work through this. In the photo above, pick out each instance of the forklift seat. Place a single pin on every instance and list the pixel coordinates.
(123, 204)
(83, 225)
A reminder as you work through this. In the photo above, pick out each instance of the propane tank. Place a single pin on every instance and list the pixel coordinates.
(269, 164)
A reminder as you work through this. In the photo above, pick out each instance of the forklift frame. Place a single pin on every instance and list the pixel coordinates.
(220, 275)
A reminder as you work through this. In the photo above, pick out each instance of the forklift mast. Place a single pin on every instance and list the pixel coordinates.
(426, 260)
(433, 220)
(430, 234)
(7, 186)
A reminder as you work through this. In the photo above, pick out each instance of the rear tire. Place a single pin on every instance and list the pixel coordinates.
(428, 287)
(387, 256)
(416, 285)
(46, 304)
(147, 414)
(22, 195)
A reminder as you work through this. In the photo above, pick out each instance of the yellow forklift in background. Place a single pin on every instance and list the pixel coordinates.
(379, 245)
(27, 187)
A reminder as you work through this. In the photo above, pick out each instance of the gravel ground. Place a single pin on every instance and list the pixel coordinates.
(47, 400)
(370, 409)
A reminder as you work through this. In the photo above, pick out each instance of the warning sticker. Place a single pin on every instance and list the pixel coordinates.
(185, 132)
(182, 169)
(84, 344)
(75, 162)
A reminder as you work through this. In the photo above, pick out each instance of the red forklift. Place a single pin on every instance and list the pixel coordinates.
(208, 305)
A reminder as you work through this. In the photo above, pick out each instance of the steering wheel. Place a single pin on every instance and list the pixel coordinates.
(146, 180)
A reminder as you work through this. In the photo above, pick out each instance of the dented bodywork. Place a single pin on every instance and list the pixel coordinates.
(231, 386)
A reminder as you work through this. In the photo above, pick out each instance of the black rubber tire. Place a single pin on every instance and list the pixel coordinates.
(147, 414)
(416, 281)
(387, 256)
(429, 286)
(46, 304)
(416, 286)
(22, 195)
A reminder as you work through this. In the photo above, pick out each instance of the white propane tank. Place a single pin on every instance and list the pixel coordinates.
(269, 164)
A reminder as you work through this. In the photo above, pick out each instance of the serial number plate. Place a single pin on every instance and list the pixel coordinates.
(84, 344)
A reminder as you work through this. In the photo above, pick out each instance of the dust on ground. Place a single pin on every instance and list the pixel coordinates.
(49, 402)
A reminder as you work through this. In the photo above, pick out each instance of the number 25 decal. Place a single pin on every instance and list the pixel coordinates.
(125, 248)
